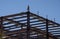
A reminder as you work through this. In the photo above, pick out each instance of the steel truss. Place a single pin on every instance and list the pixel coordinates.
(27, 25)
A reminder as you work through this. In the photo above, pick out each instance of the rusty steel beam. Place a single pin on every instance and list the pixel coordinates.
(44, 33)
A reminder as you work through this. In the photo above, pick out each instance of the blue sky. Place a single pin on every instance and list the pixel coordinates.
(45, 7)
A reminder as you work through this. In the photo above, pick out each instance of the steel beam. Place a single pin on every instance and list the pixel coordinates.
(47, 34)
(1, 27)
(28, 25)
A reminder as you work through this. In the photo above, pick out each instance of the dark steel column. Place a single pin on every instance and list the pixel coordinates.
(1, 27)
(47, 34)
(28, 23)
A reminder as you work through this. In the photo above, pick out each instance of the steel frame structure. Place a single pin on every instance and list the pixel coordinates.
(27, 25)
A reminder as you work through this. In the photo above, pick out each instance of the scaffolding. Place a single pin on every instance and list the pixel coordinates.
(27, 25)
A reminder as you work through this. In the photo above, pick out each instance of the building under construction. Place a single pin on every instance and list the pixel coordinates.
(27, 25)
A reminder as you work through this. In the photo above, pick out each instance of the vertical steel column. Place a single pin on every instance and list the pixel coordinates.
(28, 23)
(1, 27)
(21, 35)
(47, 34)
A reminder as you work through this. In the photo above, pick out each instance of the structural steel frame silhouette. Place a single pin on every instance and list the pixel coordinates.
(28, 27)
